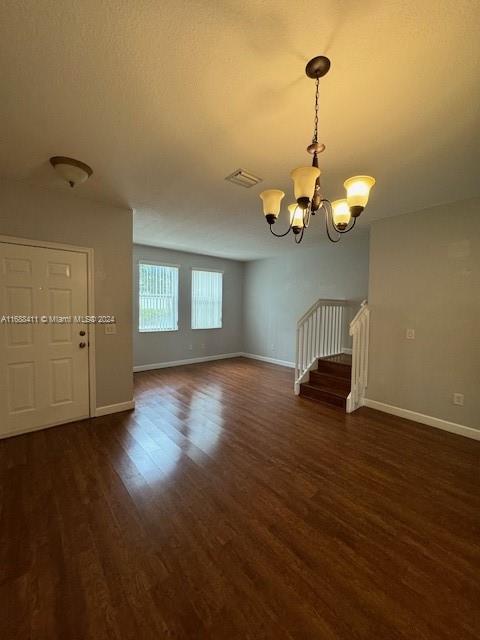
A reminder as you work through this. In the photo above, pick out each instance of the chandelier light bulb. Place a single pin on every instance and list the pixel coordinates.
(296, 216)
(341, 214)
(358, 191)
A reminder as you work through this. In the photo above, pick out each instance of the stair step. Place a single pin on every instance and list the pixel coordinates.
(308, 390)
(327, 381)
(343, 358)
(338, 369)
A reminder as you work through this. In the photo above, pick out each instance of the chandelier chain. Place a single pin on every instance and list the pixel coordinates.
(315, 127)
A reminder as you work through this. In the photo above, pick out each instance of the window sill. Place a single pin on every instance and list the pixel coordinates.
(157, 330)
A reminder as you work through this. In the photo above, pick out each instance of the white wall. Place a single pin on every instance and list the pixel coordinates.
(57, 216)
(186, 343)
(425, 275)
(277, 291)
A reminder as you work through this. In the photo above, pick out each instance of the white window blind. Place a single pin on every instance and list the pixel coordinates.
(158, 297)
(206, 299)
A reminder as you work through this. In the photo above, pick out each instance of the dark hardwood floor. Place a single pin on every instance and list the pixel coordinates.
(224, 507)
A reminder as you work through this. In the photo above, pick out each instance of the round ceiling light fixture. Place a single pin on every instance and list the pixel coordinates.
(72, 171)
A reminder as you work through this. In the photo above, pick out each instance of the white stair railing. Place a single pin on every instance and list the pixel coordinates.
(320, 333)
(359, 330)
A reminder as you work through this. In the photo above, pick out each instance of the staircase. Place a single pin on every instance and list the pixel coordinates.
(324, 369)
(330, 382)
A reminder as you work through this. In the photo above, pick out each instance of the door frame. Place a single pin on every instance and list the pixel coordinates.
(88, 251)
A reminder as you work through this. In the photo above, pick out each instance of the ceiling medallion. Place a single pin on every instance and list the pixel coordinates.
(340, 215)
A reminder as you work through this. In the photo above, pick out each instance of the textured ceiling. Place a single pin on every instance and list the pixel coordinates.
(164, 99)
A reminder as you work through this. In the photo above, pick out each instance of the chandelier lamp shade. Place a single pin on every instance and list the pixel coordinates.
(296, 218)
(340, 215)
(272, 199)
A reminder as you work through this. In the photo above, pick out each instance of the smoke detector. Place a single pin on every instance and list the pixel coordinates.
(243, 178)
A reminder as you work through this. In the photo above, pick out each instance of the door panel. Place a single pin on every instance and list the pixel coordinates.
(61, 306)
(61, 377)
(58, 269)
(17, 265)
(19, 300)
(21, 387)
(43, 370)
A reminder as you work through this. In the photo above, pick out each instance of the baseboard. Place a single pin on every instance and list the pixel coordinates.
(114, 408)
(431, 421)
(11, 434)
(178, 363)
(282, 363)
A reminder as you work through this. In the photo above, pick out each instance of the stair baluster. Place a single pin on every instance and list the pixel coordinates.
(320, 333)
(322, 370)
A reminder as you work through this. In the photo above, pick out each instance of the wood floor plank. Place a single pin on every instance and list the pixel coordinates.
(225, 507)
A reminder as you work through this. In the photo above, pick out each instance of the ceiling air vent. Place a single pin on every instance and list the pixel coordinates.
(243, 178)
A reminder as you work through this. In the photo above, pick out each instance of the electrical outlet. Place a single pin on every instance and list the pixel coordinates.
(190, 347)
(410, 334)
(458, 399)
(110, 329)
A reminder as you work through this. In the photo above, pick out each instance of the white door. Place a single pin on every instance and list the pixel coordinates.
(44, 362)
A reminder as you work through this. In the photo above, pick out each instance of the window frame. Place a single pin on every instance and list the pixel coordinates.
(209, 270)
(157, 263)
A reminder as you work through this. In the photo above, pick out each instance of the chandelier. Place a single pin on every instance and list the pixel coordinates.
(340, 215)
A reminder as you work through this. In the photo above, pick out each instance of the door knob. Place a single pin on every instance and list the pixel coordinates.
(82, 333)
(82, 345)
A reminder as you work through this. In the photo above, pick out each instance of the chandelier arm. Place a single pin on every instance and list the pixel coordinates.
(353, 221)
(307, 215)
(300, 236)
(328, 212)
(328, 233)
(348, 229)
(280, 235)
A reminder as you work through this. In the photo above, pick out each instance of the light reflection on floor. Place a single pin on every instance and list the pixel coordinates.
(205, 419)
(198, 418)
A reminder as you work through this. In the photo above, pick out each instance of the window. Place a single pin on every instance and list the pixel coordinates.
(157, 297)
(206, 299)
